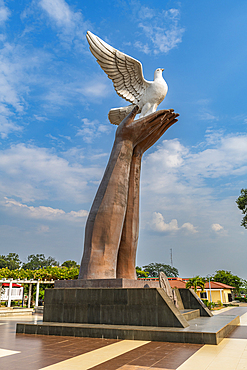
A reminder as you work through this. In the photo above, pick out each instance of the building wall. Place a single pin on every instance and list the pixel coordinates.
(216, 296)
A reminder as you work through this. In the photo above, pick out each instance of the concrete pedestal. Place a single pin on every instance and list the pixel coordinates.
(129, 313)
(106, 283)
(115, 306)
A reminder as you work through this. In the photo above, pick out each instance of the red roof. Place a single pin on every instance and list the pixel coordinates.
(14, 285)
(177, 283)
(216, 285)
(181, 283)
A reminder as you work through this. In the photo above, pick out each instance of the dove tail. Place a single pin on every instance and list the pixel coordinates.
(116, 115)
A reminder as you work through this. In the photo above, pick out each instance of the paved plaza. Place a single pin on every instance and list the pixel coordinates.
(23, 351)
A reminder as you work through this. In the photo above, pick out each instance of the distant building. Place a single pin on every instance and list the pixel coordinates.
(219, 291)
(16, 292)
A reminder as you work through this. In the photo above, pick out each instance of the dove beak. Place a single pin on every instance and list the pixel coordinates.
(162, 69)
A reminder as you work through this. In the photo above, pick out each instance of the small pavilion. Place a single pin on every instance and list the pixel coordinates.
(30, 283)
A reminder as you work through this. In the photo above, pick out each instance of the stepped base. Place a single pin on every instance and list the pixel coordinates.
(190, 314)
(202, 330)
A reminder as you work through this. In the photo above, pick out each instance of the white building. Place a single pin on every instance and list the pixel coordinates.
(16, 292)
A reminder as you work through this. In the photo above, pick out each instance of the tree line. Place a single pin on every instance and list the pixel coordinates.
(40, 267)
(34, 262)
(220, 276)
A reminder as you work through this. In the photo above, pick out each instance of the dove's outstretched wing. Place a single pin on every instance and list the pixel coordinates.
(124, 71)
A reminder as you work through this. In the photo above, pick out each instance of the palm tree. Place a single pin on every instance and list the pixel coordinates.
(195, 282)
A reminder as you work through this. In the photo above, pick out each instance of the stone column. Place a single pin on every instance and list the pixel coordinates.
(37, 295)
(221, 298)
(29, 295)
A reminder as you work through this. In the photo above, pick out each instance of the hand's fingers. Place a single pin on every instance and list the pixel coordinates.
(130, 118)
(165, 116)
(169, 124)
(153, 136)
(154, 115)
(160, 120)
(148, 129)
(142, 128)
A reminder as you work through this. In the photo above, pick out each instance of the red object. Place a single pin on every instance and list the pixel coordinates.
(14, 285)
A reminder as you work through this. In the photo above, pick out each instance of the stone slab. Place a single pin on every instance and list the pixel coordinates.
(106, 283)
(15, 311)
(115, 306)
(191, 301)
(202, 330)
(190, 314)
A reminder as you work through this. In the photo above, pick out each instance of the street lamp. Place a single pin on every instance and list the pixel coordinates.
(209, 283)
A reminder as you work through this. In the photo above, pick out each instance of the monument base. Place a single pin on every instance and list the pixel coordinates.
(203, 330)
(113, 306)
(130, 313)
(106, 283)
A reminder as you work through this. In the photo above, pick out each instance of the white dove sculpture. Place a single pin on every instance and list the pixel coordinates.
(128, 80)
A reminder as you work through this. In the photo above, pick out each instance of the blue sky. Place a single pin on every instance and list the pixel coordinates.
(56, 137)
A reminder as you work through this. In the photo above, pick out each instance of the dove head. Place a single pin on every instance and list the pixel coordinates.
(158, 72)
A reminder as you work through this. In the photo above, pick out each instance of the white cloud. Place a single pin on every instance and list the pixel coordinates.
(189, 227)
(205, 113)
(18, 72)
(217, 227)
(59, 93)
(224, 155)
(33, 173)
(95, 88)
(4, 13)
(43, 229)
(206, 116)
(146, 13)
(158, 224)
(39, 118)
(92, 129)
(42, 212)
(60, 12)
(161, 29)
(7, 126)
(198, 184)
(70, 24)
(228, 157)
(143, 47)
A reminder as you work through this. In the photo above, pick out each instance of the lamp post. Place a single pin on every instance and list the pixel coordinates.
(209, 283)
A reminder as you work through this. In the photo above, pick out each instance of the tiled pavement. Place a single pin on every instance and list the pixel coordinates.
(19, 351)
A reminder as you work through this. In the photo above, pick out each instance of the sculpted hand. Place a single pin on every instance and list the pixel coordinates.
(167, 119)
(117, 199)
(137, 131)
(158, 123)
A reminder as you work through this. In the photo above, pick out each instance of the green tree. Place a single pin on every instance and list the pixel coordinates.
(226, 277)
(3, 262)
(243, 288)
(242, 205)
(196, 282)
(48, 273)
(154, 269)
(70, 264)
(140, 272)
(11, 261)
(37, 261)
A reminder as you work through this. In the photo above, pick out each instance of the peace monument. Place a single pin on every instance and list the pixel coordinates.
(107, 301)
(112, 226)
